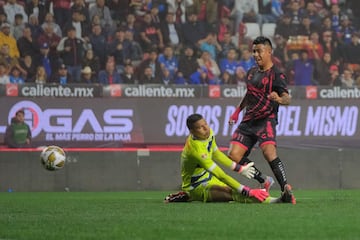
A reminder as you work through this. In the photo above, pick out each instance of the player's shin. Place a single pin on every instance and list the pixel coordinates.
(278, 169)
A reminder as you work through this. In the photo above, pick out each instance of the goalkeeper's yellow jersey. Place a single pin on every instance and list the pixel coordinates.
(198, 163)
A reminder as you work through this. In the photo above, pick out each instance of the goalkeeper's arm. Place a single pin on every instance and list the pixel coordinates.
(246, 170)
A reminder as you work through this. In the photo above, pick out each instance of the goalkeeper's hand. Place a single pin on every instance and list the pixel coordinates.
(259, 194)
(235, 116)
(247, 170)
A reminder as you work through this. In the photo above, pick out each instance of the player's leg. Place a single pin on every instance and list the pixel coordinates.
(240, 147)
(278, 168)
(180, 196)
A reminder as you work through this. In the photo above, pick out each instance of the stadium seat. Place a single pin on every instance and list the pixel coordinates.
(268, 30)
(252, 30)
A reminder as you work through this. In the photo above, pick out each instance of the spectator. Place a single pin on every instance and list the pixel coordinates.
(101, 10)
(38, 8)
(131, 26)
(312, 11)
(128, 76)
(224, 27)
(148, 77)
(171, 32)
(77, 21)
(150, 34)
(29, 67)
(206, 11)
(169, 63)
(87, 75)
(229, 65)
(334, 76)
(92, 61)
(296, 14)
(72, 51)
(187, 63)
(81, 7)
(154, 13)
(4, 76)
(49, 20)
(193, 31)
(335, 16)
(109, 75)
(210, 44)
(265, 11)
(62, 76)
(117, 49)
(27, 45)
(322, 69)
(62, 11)
(277, 9)
(15, 76)
(46, 60)
(98, 43)
(212, 68)
(305, 28)
(12, 8)
(53, 40)
(329, 44)
(33, 24)
(200, 77)
(304, 70)
(345, 30)
(133, 51)
(245, 11)
(347, 79)
(3, 17)
(7, 59)
(18, 26)
(240, 76)
(118, 10)
(315, 50)
(226, 44)
(247, 61)
(18, 133)
(40, 76)
(10, 41)
(284, 28)
(351, 51)
(279, 50)
(179, 8)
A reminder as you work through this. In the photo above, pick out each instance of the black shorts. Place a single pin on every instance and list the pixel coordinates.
(250, 132)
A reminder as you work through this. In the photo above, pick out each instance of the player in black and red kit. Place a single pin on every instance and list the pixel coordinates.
(266, 90)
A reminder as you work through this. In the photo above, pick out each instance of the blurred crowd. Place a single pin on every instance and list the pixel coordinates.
(316, 42)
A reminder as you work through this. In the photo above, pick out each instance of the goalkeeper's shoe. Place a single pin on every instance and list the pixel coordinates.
(269, 181)
(177, 197)
(287, 195)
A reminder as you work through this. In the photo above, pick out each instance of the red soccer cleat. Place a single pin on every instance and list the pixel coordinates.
(287, 195)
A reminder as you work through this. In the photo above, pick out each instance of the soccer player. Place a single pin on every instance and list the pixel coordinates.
(203, 180)
(266, 90)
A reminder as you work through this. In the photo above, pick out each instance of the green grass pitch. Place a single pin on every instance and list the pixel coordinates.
(142, 215)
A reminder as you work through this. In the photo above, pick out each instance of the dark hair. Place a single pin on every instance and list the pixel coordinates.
(262, 40)
(20, 111)
(192, 119)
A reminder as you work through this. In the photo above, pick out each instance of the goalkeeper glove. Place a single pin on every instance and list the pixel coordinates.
(235, 116)
(246, 170)
(258, 194)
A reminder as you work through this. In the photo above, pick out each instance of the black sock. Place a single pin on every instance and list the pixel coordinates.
(258, 175)
(279, 171)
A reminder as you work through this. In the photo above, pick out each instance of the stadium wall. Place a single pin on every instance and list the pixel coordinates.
(159, 169)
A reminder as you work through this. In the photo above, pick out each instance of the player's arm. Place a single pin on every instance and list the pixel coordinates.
(283, 99)
(235, 116)
(246, 170)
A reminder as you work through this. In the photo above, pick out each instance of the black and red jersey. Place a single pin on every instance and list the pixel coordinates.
(259, 85)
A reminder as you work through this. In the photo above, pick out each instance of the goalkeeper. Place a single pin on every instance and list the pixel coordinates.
(203, 180)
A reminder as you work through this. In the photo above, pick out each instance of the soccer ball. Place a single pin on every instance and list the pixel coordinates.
(53, 158)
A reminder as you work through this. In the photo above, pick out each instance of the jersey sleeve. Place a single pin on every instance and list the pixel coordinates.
(280, 83)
